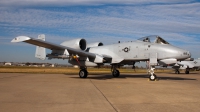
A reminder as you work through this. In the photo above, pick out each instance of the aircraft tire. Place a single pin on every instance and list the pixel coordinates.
(83, 73)
(115, 73)
(152, 77)
(177, 72)
(187, 72)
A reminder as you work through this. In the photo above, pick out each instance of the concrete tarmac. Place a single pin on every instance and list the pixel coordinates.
(21, 92)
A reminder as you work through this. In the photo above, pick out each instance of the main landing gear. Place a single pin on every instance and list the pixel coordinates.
(187, 71)
(152, 76)
(177, 71)
(83, 72)
(114, 71)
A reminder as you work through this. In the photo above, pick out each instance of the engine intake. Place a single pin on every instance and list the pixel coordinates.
(76, 44)
(96, 44)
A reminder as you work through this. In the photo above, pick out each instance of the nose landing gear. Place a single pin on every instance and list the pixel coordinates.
(152, 76)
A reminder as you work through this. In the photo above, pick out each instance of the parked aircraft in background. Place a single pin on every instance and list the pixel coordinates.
(187, 65)
(153, 49)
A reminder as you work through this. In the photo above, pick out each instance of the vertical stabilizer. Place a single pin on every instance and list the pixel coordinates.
(40, 51)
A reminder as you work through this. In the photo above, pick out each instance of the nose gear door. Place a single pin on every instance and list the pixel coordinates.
(153, 58)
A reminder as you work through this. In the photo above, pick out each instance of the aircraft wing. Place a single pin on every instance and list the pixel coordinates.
(52, 46)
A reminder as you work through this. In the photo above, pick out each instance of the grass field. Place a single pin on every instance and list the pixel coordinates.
(71, 70)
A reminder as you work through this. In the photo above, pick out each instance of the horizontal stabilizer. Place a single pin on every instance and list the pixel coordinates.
(20, 39)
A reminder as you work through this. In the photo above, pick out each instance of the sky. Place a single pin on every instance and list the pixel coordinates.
(176, 21)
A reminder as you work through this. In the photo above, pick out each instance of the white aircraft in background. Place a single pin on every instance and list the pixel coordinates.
(187, 65)
(153, 49)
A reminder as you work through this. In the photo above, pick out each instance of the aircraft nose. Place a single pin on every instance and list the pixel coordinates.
(189, 54)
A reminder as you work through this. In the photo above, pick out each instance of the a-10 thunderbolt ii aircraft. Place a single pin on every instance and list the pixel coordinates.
(152, 49)
(187, 65)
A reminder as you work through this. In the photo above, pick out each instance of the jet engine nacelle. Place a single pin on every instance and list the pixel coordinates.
(79, 44)
(96, 44)
(167, 61)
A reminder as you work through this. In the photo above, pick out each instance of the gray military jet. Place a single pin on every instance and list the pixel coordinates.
(187, 65)
(152, 49)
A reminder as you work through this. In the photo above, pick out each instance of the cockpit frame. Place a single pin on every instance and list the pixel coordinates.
(153, 39)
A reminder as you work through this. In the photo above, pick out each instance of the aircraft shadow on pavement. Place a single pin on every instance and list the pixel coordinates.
(182, 73)
(124, 76)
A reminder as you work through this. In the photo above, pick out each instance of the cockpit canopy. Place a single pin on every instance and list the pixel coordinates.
(153, 39)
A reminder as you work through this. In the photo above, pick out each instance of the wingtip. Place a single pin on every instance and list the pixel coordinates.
(20, 39)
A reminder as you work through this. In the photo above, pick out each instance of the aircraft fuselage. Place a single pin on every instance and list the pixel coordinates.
(141, 51)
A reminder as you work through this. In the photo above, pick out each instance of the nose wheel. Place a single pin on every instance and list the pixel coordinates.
(152, 77)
